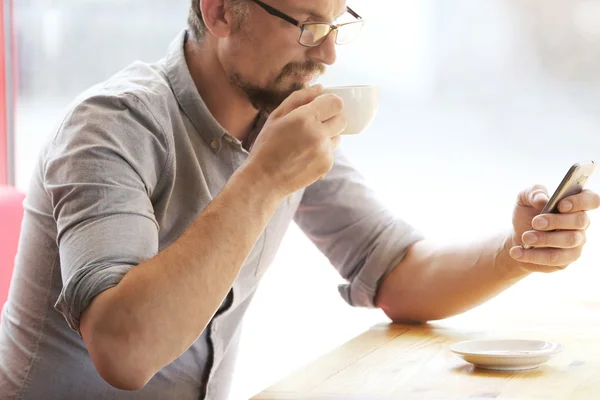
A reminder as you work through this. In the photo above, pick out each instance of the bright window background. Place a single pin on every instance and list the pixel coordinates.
(479, 99)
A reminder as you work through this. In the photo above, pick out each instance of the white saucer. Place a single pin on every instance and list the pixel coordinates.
(506, 354)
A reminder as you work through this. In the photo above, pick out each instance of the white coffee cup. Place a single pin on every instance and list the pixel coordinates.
(360, 105)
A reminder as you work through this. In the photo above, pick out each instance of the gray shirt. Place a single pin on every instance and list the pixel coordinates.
(135, 160)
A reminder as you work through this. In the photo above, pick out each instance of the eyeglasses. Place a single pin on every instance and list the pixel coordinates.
(312, 34)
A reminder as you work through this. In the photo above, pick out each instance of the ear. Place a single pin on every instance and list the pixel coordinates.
(217, 17)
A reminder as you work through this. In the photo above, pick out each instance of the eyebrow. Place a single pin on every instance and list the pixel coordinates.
(319, 17)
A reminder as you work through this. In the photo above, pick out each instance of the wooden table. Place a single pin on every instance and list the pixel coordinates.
(392, 361)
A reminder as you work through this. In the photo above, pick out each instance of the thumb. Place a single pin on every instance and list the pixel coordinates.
(296, 100)
(536, 197)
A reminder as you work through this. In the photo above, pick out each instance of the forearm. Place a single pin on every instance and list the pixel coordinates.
(437, 282)
(162, 306)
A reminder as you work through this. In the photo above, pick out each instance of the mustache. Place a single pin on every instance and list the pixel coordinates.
(309, 67)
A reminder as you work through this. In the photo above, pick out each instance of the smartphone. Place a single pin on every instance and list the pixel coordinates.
(573, 183)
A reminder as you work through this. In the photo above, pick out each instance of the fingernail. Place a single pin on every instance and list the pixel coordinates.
(566, 206)
(540, 197)
(530, 238)
(540, 223)
(516, 253)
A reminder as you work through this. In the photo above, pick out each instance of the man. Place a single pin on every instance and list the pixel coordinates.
(157, 206)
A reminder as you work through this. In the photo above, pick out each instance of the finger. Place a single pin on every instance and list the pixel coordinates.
(558, 239)
(552, 222)
(544, 269)
(296, 100)
(584, 201)
(535, 196)
(325, 106)
(546, 257)
(336, 125)
(335, 142)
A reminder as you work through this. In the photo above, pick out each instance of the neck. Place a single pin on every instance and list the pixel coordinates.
(228, 104)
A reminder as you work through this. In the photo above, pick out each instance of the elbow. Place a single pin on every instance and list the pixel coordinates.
(121, 382)
(408, 318)
(118, 366)
(119, 377)
(414, 317)
(409, 308)
(405, 317)
(401, 312)
(115, 350)
(413, 308)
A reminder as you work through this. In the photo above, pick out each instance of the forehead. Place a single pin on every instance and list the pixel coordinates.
(326, 10)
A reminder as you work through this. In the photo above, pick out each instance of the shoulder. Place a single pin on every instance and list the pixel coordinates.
(141, 90)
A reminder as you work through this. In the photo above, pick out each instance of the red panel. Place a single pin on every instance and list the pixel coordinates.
(14, 69)
(11, 214)
(3, 124)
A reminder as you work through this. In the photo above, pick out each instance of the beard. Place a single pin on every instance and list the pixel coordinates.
(269, 97)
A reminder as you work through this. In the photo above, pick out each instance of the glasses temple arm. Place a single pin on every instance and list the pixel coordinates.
(353, 13)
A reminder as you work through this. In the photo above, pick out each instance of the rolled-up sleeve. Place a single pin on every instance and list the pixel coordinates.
(100, 172)
(359, 236)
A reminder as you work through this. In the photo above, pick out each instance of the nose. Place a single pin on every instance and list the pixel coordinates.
(325, 52)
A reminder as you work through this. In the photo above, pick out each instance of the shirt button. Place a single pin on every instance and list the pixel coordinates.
(213, 144)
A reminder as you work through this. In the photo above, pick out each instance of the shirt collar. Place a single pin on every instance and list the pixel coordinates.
(187, 95)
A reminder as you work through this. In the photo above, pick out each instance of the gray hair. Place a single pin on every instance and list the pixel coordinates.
(196, 22)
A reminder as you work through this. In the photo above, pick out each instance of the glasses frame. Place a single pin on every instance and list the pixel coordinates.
(332, 27)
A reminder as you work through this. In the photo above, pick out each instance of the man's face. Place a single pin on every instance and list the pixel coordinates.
(263, 57)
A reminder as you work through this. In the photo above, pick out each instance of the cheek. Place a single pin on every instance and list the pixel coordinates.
(259, 58)
(237, 55)
(260, 66)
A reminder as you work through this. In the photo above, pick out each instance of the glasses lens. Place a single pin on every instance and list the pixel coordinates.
(314, 34)
(349, 32)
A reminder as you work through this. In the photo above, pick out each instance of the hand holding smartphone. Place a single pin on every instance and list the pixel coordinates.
(573, 183)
